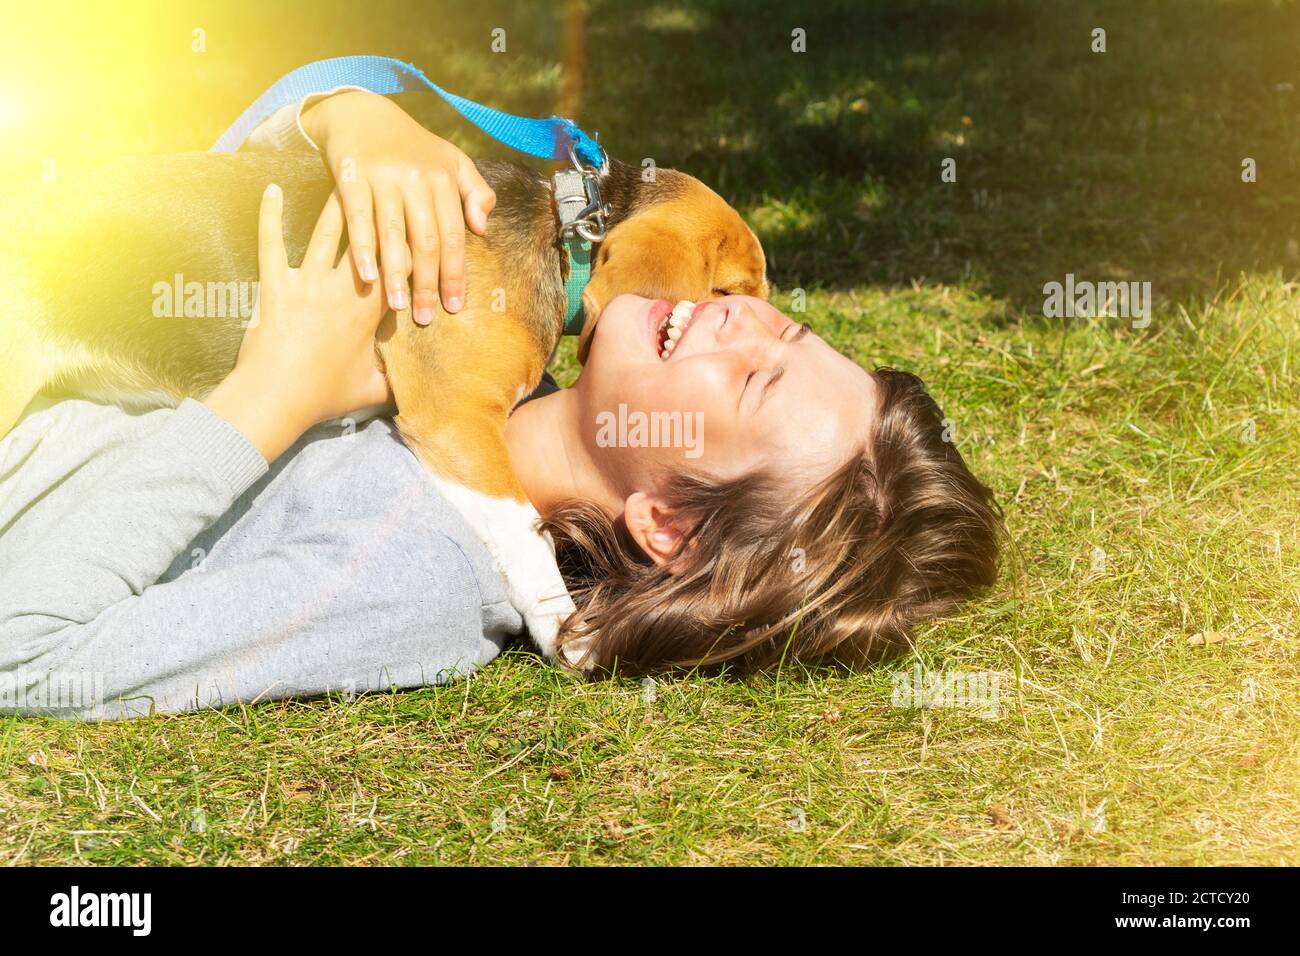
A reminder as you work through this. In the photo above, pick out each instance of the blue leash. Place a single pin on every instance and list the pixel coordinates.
(545, 138)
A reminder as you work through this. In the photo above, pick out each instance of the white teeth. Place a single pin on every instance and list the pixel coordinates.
(674, 325)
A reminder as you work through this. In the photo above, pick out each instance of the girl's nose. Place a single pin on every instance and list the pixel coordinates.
(743, 327)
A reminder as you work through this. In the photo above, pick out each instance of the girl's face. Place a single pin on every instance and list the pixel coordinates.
(743, 387)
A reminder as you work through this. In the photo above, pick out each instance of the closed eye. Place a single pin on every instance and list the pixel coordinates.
(745, 388)
(801, 329)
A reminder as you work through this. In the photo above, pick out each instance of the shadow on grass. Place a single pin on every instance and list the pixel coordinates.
(1117, 165)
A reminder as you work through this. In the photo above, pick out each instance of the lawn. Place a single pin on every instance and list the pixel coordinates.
(1145, 633)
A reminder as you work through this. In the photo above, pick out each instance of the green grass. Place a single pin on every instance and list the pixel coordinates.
(1172, 449)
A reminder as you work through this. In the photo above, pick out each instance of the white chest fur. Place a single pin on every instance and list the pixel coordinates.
(524, 555)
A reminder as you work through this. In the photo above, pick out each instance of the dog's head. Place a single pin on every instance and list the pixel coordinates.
(674, 239)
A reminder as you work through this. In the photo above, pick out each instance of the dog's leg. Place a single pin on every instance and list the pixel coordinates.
(524, 555)
(471, 467)
(455, 383)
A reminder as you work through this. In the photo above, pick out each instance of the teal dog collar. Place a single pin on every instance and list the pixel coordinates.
(581, 213)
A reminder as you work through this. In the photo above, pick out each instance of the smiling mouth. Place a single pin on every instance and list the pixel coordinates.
(674, 326)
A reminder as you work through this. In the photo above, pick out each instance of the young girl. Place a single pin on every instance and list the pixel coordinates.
(231, 550)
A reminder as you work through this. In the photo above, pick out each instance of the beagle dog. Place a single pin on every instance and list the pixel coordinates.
(91, 258)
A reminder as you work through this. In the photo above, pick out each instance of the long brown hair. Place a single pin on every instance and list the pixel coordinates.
(842, 571)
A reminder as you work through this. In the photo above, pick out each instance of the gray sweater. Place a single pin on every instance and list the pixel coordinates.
(152, 562)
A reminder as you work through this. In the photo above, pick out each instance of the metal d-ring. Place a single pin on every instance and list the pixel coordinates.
(592, 232)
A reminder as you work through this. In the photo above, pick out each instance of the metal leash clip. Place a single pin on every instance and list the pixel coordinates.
(578, 201)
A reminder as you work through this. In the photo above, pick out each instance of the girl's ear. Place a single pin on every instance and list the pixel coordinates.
(653, 528)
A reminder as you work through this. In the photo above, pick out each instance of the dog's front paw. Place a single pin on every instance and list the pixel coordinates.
(543, 620)
(574, 652)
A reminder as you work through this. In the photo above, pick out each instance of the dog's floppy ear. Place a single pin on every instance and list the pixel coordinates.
(650, 254)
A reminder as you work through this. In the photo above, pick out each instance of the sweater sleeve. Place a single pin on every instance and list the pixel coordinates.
(283, 129)
(85, 630)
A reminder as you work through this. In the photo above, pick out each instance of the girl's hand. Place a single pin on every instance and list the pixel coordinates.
(399, 180)
(309, 354)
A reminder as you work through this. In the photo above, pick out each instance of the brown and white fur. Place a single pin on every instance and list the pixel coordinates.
(78, 288)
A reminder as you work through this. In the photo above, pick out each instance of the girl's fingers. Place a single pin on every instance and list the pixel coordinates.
(358, 207)
(476, 195)
(391, 220)
(324, 245)
(271, 260)
(423, 231)
(451, 240)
